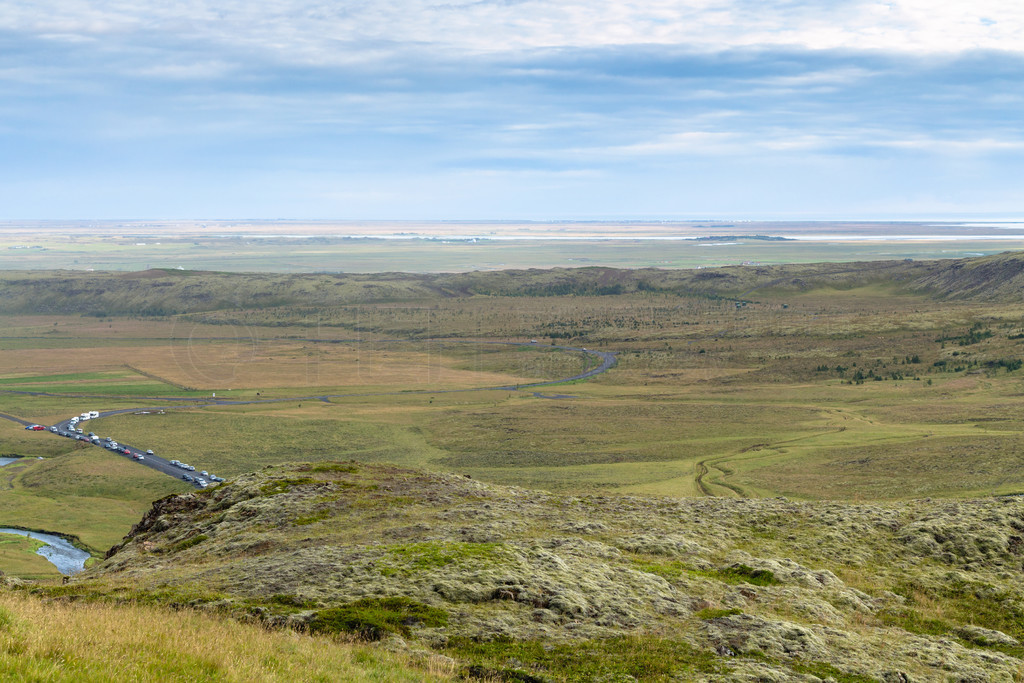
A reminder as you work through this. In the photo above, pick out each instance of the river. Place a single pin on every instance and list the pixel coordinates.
(65, 557)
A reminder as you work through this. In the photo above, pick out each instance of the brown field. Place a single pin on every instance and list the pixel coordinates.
(252, 364)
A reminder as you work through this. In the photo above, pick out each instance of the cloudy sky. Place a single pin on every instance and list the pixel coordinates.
(511, 109)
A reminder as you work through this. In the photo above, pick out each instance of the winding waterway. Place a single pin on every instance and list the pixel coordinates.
(65, 557)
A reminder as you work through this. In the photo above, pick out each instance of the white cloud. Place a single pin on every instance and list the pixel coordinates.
(317, 32)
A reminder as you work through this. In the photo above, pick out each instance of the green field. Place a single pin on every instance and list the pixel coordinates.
(816, 383)
(18, 557)
(790, 471)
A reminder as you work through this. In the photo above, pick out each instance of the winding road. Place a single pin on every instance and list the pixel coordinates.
(160, 464)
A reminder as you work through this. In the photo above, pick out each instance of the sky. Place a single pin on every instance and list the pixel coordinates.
(512, 109)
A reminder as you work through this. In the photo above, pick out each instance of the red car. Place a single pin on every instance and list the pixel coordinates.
(36, 428)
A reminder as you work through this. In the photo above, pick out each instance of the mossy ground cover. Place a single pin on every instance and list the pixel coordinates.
(514, 583)
(642, 658)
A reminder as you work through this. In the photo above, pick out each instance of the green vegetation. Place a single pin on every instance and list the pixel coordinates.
(90, 494)
(375, 618)
(18, 557)
(709, 613)
(660, 544)
(420, 556)
(736, 574)
(643, 586)
(643, 658)
(188, 543)
(96, 642)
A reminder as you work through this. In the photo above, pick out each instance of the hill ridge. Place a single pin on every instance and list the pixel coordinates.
(749, 587)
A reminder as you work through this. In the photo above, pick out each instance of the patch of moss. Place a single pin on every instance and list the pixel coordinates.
(645, 658)
(744, 574)
(827, 671)
(333, 467)
(168, 596)
(187, 543)
(291, 601)
(311, 518)
(707, 614)
(375, 618)
(733, 575)
(433, 555)
(277, 486)
(668, 570)
(912, 622)
(963, 602)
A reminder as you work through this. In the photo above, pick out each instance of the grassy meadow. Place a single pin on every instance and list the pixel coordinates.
(855, 389)
(59, 641)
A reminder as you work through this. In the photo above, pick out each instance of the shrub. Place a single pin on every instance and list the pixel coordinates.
(375, 618)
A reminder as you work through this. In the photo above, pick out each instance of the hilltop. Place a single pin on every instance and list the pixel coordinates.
(517, 584)
(162, 292)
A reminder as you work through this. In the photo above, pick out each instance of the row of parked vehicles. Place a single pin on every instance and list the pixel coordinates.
(74, 431)
(199, 478)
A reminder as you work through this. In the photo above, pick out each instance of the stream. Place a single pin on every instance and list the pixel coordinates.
(65, 557)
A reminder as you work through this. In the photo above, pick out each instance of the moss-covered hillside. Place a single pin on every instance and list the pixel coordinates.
(525, 585)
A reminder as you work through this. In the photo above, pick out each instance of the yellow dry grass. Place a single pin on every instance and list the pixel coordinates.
(252, 364)
(54, 641)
